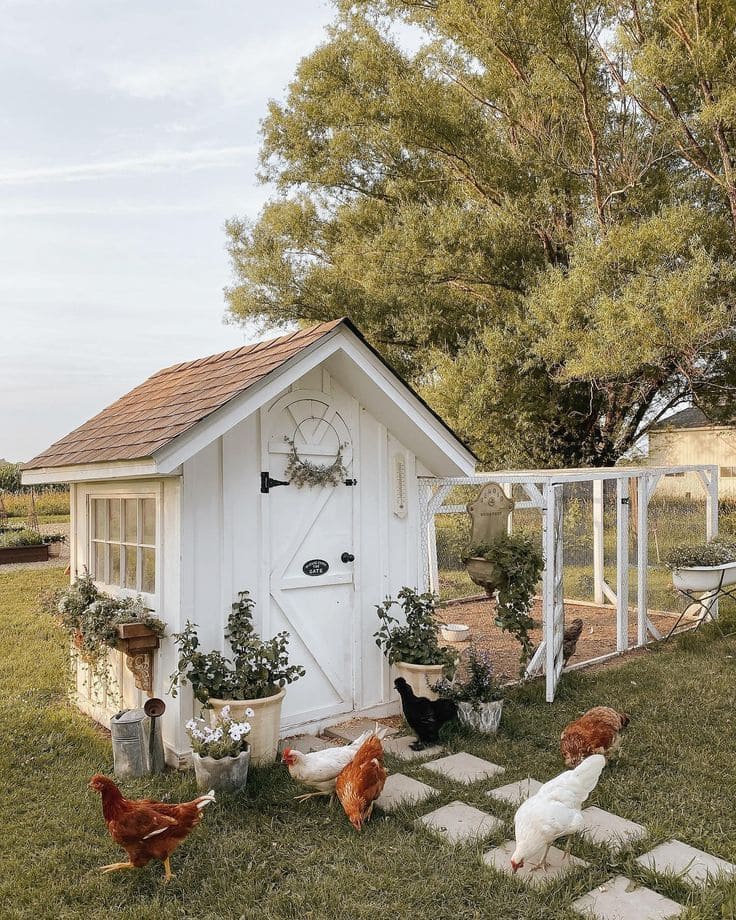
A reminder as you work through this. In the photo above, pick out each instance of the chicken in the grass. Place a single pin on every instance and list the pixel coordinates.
(319, 769)
(595, 732)
(424, 716)
(144, 828)
(570, 639)
(362, 781)
(554, 811)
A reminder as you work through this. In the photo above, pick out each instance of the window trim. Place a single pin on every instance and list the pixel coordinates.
(151, 599)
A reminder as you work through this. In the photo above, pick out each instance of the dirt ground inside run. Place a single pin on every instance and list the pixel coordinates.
(598, 636)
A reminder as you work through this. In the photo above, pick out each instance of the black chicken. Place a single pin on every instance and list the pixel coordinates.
(426, 717)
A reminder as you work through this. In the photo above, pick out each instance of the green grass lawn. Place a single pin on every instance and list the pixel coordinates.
(262, 855)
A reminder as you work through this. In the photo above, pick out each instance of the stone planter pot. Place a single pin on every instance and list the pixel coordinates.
(226, 774)
(55, 548)
(704, 577)
(485, 719)
(419, 677)
(264, 724)
(482, 573)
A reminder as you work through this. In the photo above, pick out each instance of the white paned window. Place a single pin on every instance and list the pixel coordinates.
(123, 542)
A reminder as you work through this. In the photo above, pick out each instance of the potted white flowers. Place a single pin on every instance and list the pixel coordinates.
(412, 647)
(704, 567)
(475, 692)
(220, 752)
(253, 681)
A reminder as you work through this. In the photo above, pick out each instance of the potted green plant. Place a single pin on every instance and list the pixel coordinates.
(412, 646)
(254, 679)
(55, 542)
(703, 567)
(474, 690)
(517, 566)
(220, 752)
(22, 546)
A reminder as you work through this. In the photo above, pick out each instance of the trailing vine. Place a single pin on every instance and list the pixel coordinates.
(518, 567)
(305, 473)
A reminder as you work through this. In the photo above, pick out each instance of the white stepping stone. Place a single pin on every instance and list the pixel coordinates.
(460, 823)
(403, 790)
(304, 743)
(464, 768)
(401, 747)
(604, 828)
(349, 731)
(558, 864)
(621, 899)
(516, 793)
(677, 858)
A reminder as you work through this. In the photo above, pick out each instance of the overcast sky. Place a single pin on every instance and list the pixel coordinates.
(130, 134)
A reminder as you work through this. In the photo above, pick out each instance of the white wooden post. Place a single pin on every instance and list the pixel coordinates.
(711, 504)
(622, 564)
(642, 556)
(548, 588)
(598, 596)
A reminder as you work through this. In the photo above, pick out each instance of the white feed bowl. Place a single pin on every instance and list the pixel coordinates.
(455, 632)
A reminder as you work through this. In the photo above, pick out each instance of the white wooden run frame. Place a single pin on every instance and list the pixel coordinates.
(543, 489)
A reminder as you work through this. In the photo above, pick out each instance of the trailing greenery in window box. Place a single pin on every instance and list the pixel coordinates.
(415, 641)
(91, 617)
(518, 565)
(258, 668)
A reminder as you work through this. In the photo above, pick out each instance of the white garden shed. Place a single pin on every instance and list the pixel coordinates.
(177, 494)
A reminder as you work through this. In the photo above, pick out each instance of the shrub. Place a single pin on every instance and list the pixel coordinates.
(258, 668)
(473, 683)
(716, 552)
(21, 538)
(415, 641)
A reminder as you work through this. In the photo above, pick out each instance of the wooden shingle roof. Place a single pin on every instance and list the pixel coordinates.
(172, 401)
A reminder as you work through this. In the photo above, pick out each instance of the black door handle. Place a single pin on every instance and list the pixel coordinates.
(347, 557)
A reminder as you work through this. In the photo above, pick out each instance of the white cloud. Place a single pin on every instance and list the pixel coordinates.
(168, 160)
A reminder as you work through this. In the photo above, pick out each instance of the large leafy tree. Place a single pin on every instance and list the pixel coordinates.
(528, 207)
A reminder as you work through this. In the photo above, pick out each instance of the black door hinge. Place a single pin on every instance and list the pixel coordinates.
(267, 483)
(351, 482)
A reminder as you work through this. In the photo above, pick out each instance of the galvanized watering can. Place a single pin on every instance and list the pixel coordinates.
(137, 745)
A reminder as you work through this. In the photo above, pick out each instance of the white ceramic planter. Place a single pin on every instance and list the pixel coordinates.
(224, 774)
(455, 632)
(485, 719)
(704, 577)
(264, 724)
(419, 677)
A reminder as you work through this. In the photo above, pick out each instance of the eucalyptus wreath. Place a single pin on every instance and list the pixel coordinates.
(305, 473)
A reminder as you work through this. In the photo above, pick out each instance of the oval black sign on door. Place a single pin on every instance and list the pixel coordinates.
(315, 567)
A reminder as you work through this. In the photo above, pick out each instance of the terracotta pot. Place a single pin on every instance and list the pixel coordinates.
(224, 774)
(264, 724)
(482, 573)
(486, 718)
(419, 677)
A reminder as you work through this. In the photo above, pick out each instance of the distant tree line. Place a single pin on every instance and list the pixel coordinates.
(10, 480)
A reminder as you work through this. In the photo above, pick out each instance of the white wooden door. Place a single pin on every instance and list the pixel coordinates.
(312, 535)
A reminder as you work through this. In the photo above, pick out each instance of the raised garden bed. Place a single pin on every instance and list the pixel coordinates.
(39, 553)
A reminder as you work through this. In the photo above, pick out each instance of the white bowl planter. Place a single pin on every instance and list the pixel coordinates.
(704, 577)
(224, 774)
(455, 632)
(486, 718)
(419, 677)
(264, 724)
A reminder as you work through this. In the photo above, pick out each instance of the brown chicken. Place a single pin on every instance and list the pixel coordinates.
(595, 732)
(570, 640)
(144, 828)
(361, 782)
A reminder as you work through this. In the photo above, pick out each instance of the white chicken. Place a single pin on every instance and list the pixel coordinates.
(319, 769)
(555, 811)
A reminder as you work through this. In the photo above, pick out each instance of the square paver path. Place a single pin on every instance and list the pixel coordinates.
(558, 864)
(349, 731)
(304, 743)
(464, 768)
(621, 899)
(515, 793)
(677, 858)
(459, 822)
(401, 748)
(403, 790)
(604, 828)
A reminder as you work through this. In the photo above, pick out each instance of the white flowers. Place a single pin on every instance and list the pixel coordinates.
(226, 738)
